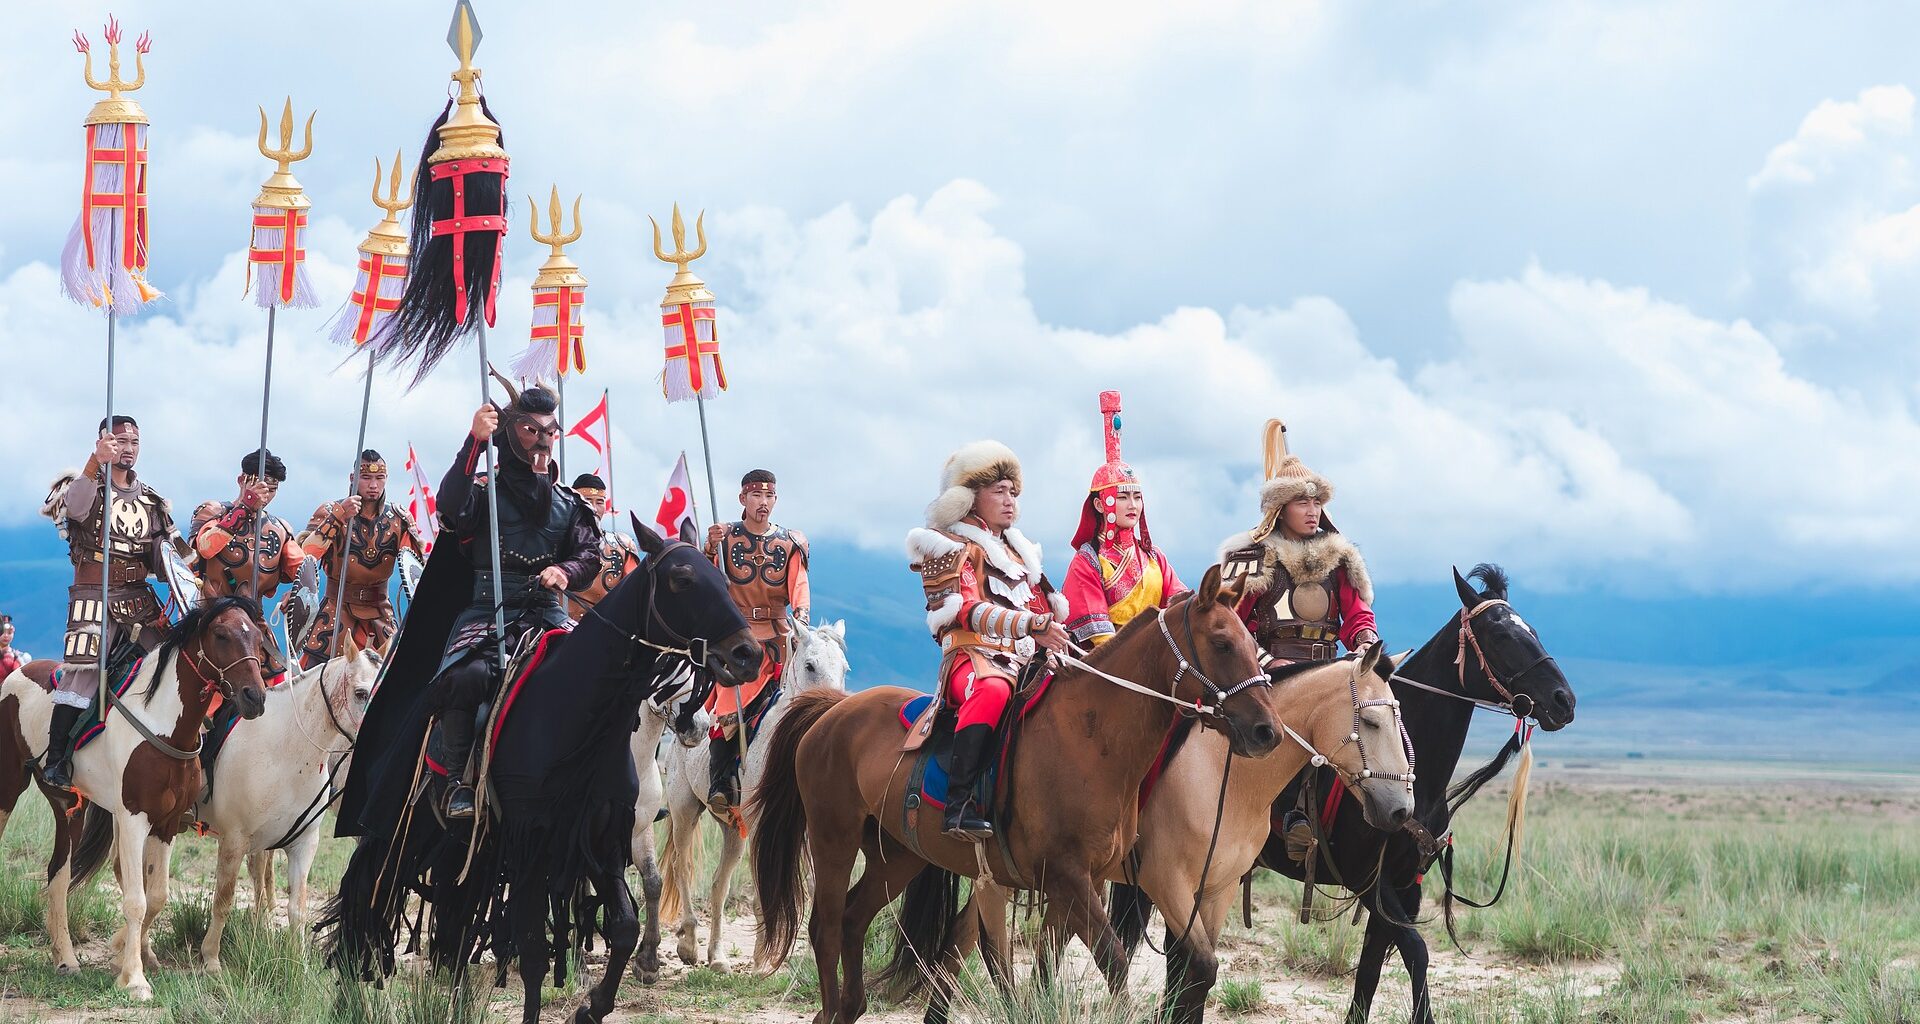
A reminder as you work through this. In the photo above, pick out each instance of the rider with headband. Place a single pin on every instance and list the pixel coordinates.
(988, 604)
(1116, 572)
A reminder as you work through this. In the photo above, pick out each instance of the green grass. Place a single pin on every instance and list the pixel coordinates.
(1239, 996)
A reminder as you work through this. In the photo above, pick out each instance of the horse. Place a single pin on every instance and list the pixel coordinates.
(1206, 817)
(140, 775)
(1485, 655)
(851, 799)
(551, 854)
(816, 659)
(274, 779)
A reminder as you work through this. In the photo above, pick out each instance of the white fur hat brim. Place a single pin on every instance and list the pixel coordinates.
(975, 465)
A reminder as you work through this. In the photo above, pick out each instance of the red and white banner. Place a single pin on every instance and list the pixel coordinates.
(693, 368)
(595, 429)
(420, 503)
(675, 518)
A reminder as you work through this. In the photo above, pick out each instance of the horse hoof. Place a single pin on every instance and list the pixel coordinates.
(719, 966)
(647, 977)
(67, 970)
(211, 966)
(140, 993)
(584, 1015)
(689, 954)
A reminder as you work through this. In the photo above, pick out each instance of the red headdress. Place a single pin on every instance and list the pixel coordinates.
(1097, 515)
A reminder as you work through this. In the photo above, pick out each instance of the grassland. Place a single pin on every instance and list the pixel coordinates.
(1702, 895)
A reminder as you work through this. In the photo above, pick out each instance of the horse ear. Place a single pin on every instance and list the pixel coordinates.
(1469, 598)
(650, 542)
(1371, 659)
(348, 649)
(1209, 586)
(838, 627)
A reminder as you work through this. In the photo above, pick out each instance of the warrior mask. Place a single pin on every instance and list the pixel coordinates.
(529, 427)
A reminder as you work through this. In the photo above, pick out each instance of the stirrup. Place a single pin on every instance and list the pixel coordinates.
(460, 801)
(966, 823)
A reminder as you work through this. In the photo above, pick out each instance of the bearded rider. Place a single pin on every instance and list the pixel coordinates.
(988, 604)
(367, 533)
(142, 531)
(619, 553)
(1307, 589)
(1116, 572)
(229, 562)
(766, 569)
(549, 545)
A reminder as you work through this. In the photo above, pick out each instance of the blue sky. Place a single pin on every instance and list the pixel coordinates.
(1620, 295)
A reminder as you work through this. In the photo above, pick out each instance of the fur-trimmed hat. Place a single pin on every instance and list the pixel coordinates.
(1290, 481)
(975, 465)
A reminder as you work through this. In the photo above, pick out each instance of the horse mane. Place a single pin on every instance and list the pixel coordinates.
(1382, 668)
(1493, 580)
(192, 624)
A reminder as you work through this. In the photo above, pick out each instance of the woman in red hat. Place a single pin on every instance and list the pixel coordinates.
(1116, 571)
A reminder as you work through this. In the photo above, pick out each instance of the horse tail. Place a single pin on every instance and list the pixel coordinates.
(782, 826)
(929, 913)
(95, 845)
(681, 864)
(1129, 908)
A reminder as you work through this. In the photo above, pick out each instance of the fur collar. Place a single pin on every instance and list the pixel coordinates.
(1017, 559)
(1311, 559)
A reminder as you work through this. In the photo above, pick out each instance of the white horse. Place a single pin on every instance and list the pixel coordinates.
(817, 658)
(139, 793)
(275, 777)
(657, 715)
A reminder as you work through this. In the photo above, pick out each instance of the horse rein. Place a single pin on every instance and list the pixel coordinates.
(1197, 707)
(695, 649)
(1352, 778)
(1510, 703)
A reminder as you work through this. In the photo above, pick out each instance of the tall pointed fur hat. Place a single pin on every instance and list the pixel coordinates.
(975, 465)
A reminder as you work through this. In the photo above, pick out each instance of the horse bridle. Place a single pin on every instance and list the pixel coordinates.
(1318, 759)
(694, 649)
(201, 664)
(1213, 690)
(1505, 689)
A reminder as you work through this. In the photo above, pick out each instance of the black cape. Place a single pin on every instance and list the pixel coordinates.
(395, 725)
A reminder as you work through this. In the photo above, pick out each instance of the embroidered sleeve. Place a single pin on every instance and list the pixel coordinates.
(1170, 585)
(1356, 617)
(1087, 619)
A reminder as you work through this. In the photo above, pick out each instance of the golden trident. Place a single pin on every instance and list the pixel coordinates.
(115, 108)
(281, 190)
(684, 287)
(388, 237)
(558, 271)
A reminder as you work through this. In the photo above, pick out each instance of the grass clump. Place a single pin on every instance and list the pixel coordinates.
(1238, 996)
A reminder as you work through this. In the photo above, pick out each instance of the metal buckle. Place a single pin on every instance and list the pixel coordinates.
(697, 651)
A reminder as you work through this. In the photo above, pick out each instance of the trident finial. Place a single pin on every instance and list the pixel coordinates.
(396, 200)
(286, 155)
(553, 236)
(680, 257)
(113, 86)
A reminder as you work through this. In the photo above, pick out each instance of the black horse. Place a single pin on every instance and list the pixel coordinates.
(1486, 653)
(548, 870)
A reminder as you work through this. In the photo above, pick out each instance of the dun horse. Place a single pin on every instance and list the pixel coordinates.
(849, 800)
(818, 659)
(141, 773)
(548, 870)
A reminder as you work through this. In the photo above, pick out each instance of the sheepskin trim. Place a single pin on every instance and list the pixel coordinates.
(1311, 559)
(1059, 606)
(953, 505)
(1016, 559)
(923, 544)
(943, 615)
(1275, 493)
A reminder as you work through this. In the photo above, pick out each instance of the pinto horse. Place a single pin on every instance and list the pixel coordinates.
(1485, 654)
(133, 783)
(548, 869)
(1099, 736)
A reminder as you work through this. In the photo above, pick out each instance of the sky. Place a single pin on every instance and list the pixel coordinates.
(1619, 295)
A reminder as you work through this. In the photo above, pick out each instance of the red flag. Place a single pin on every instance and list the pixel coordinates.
(594, 429)
(420, 503)
(675, 518)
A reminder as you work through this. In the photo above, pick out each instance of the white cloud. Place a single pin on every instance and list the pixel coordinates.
(1578, 432)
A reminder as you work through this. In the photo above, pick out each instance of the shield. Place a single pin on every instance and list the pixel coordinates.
(409, 567)
(183, 587)
(302, 604)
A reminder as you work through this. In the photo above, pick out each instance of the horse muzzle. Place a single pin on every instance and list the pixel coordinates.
(1385, 803)
(1249, 735)
(250, 700)
(1556, 711)
(736, 659)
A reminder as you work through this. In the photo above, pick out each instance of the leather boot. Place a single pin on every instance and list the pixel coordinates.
(456, 735)
(723, 783)
(57, 768)
(972, 747)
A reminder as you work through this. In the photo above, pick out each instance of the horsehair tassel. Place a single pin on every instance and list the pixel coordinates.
(277, 250)
(1275, 443)
(692, 367)
(382, 274)
(559, 290)
(104, 261)
(459, 224)
(1517, 800)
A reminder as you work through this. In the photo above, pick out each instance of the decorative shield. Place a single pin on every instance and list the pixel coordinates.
(302, 604)
(183, 587)
(410, 569)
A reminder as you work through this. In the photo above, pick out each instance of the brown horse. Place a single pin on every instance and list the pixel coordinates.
(138, 789)
(851, 796)
(1209, 815)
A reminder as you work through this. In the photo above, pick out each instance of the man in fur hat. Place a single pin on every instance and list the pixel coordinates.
(989, 605)
(1307, 589)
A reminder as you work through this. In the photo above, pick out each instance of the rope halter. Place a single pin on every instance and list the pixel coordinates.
(1353, 778)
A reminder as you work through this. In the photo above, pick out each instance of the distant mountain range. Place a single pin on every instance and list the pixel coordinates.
(1765, 677)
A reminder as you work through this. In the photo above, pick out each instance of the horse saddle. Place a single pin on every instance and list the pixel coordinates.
(919, 724)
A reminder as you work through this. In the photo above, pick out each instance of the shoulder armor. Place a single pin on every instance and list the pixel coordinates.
(1240, 562)
(799, 544)
(206, 512)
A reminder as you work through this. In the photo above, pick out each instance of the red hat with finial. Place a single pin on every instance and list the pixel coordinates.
(1097, 517)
